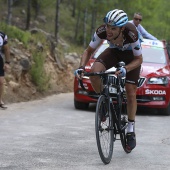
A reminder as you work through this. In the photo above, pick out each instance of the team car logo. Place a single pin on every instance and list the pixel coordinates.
(158, 92)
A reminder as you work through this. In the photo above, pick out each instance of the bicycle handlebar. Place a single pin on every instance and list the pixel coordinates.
(99, 73)
(95, 74)
(120, 64)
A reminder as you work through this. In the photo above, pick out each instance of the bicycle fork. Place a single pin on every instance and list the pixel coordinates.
(118, 126)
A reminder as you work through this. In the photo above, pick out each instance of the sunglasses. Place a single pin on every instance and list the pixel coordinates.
(138, 19)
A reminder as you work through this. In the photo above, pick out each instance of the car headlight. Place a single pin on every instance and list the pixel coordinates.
(158, 80)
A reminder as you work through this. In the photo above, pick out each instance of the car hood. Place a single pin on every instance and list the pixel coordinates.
(149, 69)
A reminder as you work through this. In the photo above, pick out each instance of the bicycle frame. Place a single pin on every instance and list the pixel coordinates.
(104, 76)
(115, 108)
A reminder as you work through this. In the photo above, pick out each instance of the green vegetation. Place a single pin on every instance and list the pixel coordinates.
(37, 72)
(14, 32)
(156, 16)
(39, 77)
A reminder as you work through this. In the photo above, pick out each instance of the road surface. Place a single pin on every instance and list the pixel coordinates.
(49, 134)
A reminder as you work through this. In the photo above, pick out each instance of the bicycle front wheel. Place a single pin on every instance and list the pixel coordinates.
(104, 130)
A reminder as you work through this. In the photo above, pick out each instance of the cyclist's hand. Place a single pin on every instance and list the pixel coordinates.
(79, 73)
(121, 71)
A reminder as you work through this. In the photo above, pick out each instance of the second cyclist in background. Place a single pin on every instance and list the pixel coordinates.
(124, 45)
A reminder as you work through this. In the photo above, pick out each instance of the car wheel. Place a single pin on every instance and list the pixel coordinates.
(166, 111)
(81, 105)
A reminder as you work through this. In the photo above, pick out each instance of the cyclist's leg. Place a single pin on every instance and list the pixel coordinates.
(104, 61)
(95, 80)
(131, 100)
(131, 88)
(131, 83)
(1, 82)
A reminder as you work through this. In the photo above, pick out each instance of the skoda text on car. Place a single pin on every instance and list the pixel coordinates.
(154, 83)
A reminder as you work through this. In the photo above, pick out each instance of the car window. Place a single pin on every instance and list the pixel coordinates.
(150, 54)
(153, 55)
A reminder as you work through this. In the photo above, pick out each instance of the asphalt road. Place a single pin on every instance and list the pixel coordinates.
(50, 134)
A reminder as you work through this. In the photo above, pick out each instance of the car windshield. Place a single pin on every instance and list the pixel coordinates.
(150, 54)
(153, 55)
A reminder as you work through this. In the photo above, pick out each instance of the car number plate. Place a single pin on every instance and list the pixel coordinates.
(112, 90)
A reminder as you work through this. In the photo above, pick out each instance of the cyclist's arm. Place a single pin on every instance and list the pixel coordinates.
(6, 49)
(86, 56)
(137, 61)
(145, 34)
(6, 52)
(137, 52)
(90, 50)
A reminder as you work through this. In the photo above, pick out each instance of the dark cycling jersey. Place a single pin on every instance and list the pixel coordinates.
(3, 41)
(131, 39)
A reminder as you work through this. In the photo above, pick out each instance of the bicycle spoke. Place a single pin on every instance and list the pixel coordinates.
(105, 143)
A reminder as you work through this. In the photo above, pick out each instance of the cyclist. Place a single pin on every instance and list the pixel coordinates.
(4, 48)
(124, 45)
(136, 21)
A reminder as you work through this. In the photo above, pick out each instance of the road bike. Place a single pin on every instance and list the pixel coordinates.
(111, 113)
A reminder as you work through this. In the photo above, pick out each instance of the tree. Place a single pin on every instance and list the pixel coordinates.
(93, 20)
(85, 31)
(28, 14)
(57, 20)
(77, 24)
(36, 7)
(74, 8)
(9, 16)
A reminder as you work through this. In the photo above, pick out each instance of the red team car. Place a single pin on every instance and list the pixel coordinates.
(154, 83)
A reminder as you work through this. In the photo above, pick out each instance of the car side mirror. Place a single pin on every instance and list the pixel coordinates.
(168, 49)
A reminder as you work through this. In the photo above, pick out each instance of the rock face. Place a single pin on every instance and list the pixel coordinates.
(18, 81)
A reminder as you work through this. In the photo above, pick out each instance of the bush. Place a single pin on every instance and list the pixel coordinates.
(14, 32)
(38, 74)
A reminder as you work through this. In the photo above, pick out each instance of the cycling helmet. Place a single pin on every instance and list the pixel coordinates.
(116, 18)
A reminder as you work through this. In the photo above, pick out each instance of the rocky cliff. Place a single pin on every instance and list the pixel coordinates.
(18, 81)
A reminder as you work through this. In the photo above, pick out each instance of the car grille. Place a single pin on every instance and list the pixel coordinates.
(144, 99)
(112, 80)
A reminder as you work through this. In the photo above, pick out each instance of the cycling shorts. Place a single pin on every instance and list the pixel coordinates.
(1, 67)
(111, 56)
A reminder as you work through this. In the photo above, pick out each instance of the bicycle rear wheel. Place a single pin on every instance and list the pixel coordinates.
(124, 120)
(104, 130)
(123, 134)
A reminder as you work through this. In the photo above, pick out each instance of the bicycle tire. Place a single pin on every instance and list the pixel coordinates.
(104, 130)
(123, 135)
(123, 120)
